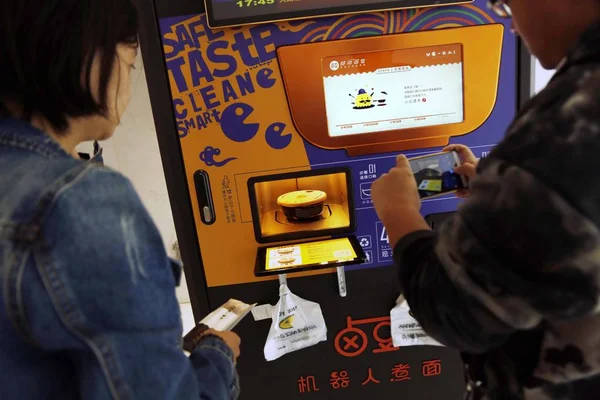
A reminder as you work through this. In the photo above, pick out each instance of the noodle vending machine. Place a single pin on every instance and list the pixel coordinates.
(274, 117)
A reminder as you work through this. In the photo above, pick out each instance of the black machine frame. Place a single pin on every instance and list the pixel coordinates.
(169, 144)
(322, 12)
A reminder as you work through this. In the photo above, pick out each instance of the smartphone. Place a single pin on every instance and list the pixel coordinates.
(435, 174)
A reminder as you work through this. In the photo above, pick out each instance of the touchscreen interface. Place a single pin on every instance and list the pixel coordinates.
(393, 89)
(307, 254)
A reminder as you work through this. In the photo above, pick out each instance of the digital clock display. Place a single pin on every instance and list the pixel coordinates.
(223, 13)
(253, 3)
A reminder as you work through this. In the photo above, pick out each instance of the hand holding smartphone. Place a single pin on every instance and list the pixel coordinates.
(435, 175)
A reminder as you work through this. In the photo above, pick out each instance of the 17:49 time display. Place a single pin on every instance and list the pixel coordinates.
(250, 3)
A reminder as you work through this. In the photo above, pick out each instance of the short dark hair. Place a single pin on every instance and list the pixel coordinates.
(47, 48)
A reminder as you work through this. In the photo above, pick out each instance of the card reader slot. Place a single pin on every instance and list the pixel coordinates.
(204, 197)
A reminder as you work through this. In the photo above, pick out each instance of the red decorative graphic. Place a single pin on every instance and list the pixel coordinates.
(307, 384)
(400, 372)
(339, 380)
(432, 368)
(370, 378)
(352, 341)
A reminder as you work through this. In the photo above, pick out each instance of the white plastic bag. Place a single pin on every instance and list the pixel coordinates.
(297, 324)
(406, 331)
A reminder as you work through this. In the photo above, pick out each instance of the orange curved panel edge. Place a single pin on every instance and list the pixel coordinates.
(302, 70)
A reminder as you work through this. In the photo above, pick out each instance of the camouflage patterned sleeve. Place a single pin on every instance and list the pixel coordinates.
(516, 253)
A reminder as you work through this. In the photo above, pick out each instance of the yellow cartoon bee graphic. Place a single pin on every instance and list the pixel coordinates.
(364, 100)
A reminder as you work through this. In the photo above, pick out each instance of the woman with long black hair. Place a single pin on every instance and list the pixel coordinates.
(87, 292)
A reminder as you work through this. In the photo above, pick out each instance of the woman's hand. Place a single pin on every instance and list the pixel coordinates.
(231, 339)
(468, 168)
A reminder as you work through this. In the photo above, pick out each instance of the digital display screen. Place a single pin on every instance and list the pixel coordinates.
(299, 257)
(238, 12)
(435, 174)
(301, 205)
(393, 89)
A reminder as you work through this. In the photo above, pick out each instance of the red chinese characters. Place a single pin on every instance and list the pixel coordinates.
(339, 380)
(307, 384)
(400, 372)
(432, 368)
(370, 378)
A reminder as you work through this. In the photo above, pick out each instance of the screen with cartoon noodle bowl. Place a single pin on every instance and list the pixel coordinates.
(394, 89)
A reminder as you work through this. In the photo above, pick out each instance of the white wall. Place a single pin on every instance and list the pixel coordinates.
(133, 151)
(540, 77)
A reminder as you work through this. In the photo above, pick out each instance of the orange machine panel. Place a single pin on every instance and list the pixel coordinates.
(463, 67)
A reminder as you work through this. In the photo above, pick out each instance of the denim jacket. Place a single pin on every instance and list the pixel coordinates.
(87, 292)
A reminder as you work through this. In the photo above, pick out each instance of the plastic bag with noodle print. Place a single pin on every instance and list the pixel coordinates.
(406, 330)
(297, 324)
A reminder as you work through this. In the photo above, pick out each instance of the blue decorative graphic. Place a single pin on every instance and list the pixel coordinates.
(276, 137)
(208, 157)
(234, 125)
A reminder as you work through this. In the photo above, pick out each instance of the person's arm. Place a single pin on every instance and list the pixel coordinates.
(514, 254)
(115, 294)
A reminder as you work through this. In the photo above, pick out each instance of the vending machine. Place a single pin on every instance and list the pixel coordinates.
(274, 117)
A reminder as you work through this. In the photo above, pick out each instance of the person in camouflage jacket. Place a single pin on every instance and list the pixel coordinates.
(512, 280)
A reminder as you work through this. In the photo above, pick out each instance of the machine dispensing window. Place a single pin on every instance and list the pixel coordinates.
(393, 89)
(291, 208)
(301, 205)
